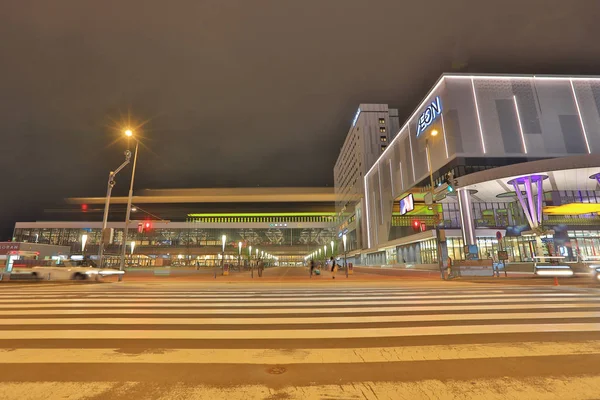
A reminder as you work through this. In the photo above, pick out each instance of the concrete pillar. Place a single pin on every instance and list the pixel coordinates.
(467, 222)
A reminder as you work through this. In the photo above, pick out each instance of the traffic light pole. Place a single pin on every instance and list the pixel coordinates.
(111, 184)
(128, 211)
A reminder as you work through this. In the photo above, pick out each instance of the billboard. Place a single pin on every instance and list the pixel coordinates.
(407, 204)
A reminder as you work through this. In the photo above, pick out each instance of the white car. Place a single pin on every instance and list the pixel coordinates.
(71, 270)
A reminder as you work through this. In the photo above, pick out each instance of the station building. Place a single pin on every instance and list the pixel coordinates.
(515, 166)
(185, 226)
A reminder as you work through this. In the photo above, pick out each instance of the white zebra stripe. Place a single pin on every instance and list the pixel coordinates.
(161, 303)
(296, 320)
(191, 310)
(228, 297)
(298, 333)
(301, 356)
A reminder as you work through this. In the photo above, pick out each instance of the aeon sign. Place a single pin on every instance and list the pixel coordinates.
(431, 113)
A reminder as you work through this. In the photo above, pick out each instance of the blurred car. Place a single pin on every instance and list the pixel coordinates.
(72, 270)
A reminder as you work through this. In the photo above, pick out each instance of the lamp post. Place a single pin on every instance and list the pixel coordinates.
(110, 185)
(128, 133)
(223, 240)
(434, 133)
(250, 261)
(345, 264)
(84, 238)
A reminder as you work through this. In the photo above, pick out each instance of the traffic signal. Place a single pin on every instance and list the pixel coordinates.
(416, 225)
(450, 181)
(144, 227)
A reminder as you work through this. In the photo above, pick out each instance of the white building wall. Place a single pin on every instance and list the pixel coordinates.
(554, 117)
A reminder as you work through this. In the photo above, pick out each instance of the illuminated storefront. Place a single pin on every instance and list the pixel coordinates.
(514, 165)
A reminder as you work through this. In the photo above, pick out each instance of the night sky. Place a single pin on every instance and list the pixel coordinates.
(239, 93)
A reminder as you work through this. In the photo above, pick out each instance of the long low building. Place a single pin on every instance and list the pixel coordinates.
(486, 165)
(186, 226)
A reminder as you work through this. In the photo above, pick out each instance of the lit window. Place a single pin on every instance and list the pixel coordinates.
(383, 139)
(383, 148)
(382, 129)
(382, 121)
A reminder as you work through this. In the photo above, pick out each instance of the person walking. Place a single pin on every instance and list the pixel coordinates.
(312, 267)
(261, 267)
(334, 267)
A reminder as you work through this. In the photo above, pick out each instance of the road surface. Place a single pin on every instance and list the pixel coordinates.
(342, 340)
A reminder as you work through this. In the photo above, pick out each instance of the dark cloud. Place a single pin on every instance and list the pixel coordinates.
(238, 92)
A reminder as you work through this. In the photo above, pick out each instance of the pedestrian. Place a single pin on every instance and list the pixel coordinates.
(312, 267)
(334, 267)
(261, 267)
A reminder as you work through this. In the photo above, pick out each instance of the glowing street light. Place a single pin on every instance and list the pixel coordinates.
(84, 239)
(129, 134)
(132, 244)
(344, 239)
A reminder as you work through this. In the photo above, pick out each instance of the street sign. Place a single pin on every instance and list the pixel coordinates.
(499, 235)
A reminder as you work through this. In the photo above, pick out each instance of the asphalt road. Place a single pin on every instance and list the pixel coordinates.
(334, 340)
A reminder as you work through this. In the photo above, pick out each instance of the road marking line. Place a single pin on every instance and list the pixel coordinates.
(232, 298)
(295, 320)
(190, 310)
(67, 303)
(299, 333)
(301, 356)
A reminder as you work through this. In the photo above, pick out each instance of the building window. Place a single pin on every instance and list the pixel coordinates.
(382, 121)
(382, 129)
(383, 139)
(383, 147)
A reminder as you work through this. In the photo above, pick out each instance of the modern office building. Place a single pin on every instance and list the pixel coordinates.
(523, 153)
(185, 226)
(368, 136)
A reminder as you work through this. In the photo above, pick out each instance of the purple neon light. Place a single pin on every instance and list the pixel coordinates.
(522, 201)
(540, 195)
(530, 201)
(596, 177)
(533, 217)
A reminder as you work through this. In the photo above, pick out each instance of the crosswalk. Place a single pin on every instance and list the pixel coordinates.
(302, 337)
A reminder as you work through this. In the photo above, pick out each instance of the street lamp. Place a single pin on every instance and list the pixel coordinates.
(83, 242)
(110, 185)
(332, 247)
(129, 134)
(132, 244)
(345, 264)
(240, 254)
(433, 133)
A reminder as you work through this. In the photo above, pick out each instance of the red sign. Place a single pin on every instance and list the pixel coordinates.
(499, 235)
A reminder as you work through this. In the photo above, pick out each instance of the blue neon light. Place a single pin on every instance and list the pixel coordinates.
(431, 113)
